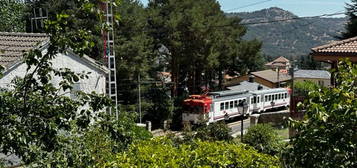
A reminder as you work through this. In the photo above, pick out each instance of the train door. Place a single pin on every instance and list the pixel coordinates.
(258, 104)
(254, 103)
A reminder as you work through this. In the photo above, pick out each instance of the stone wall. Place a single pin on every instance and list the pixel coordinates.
(273, 118)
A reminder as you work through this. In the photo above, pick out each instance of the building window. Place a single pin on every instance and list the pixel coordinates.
(321, 83)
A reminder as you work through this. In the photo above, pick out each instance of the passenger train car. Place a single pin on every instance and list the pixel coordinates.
(216, 106)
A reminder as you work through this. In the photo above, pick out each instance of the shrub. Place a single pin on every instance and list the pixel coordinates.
(264, 138)
(218, 131)
(95, 145)
(161, 152)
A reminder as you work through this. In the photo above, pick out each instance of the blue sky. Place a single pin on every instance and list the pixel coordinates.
(298, 7)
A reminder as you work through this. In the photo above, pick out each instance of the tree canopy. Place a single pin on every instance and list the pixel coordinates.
(12, 16)
(201, 41)
(351, 27)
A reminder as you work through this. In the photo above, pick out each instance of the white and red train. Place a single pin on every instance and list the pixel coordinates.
(216, 106)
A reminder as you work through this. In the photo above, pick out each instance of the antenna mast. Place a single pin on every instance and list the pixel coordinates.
(109, 55)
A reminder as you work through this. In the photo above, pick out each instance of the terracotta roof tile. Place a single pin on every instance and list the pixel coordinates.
(344, 46)
(13, 45)
(272, 76)
(281, 60)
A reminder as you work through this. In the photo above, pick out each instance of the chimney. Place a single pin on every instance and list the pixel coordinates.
(251, 78)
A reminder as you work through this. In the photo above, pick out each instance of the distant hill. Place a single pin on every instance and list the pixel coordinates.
(290, 39)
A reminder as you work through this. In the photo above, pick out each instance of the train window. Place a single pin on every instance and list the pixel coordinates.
(265, 98)
(258, 99)
(222, 106)
(269, 98)
(226, 105)
(279, 96)
(276, 97)
(272, 97)
(235, 103)
(231, 104)
(240, 101)
(286, 95)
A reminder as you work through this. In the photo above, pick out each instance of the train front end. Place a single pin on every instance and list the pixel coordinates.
(196, 109)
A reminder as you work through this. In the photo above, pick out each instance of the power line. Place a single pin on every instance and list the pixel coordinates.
(249, 5)
(288, 19)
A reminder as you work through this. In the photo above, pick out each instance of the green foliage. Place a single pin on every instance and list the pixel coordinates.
(264, 138)
(161, 107)
(327, 136)
(85, 14)
(95, 145)
(303, 88)
(307, 62)
(35, 116)
(218, 131)
(124, 131)
(12, 16)
(200, 45)
(162, 152)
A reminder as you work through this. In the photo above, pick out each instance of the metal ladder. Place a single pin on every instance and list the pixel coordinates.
(109, 56)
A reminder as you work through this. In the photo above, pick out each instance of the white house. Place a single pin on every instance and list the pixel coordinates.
(13, 46)
(320, 77)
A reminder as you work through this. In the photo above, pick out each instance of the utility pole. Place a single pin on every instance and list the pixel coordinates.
(278, 69)
(139, 98)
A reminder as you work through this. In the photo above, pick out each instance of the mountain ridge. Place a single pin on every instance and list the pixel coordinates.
(293, 38)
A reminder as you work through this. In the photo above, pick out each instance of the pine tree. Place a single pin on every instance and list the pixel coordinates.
(202, 41)
(351, 27)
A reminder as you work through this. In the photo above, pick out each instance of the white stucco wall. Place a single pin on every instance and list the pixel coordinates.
(95, 82)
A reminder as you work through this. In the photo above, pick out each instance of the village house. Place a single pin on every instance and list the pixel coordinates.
(280, 63)
(320, 77)
(14, 45)
(249, 85)
(268, 78)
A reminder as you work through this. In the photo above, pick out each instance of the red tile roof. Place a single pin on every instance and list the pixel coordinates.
(272, 76)
(13, 45)
(344, 46)
(280, 62)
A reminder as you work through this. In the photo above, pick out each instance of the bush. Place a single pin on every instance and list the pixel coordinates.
(161, 152)
(95, 145)
(303, 88)
(218, 131)
(264, 138)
